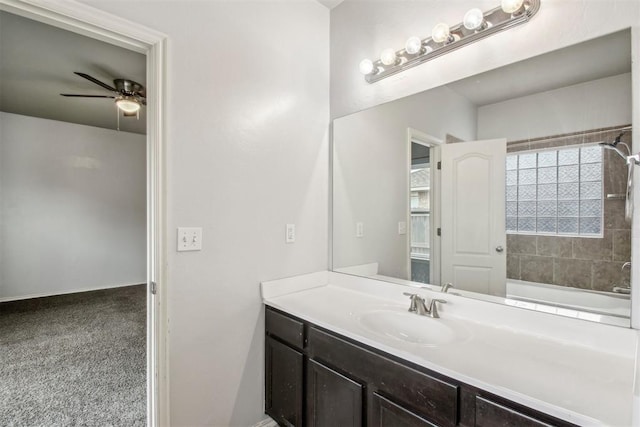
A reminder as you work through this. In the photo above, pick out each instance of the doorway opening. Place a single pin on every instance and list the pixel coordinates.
(423, 246)
(87, 21)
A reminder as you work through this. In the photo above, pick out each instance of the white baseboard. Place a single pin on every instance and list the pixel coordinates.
(267, 422)
(72, 291)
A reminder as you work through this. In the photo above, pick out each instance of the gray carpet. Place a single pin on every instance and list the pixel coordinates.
(74, 360)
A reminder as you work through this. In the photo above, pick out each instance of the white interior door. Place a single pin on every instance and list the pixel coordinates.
(473, 235)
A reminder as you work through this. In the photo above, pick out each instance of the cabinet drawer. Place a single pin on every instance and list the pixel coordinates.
(492, 414)
(287, 329)
(385, 413)
(423, 394)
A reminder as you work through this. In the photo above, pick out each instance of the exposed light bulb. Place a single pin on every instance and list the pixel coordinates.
(473, 19)
(366, 66)
(511, 6)
(440, 33)
(388, 56)
(413, 45)
(128, 104)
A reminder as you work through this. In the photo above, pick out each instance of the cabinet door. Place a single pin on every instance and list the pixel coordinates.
(283, 382)
(385, 413)
(333, 400)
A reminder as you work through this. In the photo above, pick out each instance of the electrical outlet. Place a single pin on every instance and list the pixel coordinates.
(402, 227)
(290, 236)
(359, 229)
(189, 239)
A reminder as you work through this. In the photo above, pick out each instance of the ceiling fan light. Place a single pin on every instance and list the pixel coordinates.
(128, 104)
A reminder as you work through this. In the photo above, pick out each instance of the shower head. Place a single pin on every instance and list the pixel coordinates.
(617, 140)
(612, 146)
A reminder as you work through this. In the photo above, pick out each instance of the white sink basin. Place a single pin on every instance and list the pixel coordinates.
(409, 327)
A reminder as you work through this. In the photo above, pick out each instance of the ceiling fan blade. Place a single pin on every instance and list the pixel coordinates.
(96, 81)
(87, 96)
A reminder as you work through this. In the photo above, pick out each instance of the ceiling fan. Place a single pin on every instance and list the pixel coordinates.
(129, 95)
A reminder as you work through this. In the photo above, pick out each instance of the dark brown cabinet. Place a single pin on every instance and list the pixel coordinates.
(284, 392)
(317, 378)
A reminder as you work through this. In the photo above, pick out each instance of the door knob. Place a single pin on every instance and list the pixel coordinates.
(499, 249)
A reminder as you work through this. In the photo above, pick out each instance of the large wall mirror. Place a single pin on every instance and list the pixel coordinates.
(511, 185)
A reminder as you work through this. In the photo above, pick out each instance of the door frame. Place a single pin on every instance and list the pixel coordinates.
(91, 22)
(422, 138)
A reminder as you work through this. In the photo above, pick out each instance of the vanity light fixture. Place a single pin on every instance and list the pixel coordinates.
(511, 6)
(388, 57)
(442, 34)
(475, 26)
(366, 66)
(474, 19)
(413, 45)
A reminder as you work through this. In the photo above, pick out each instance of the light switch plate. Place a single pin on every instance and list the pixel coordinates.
(189, 239)
(359, 229)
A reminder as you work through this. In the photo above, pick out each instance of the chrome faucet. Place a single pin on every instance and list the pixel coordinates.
(446, 287)
(419, 306)
(433, 307)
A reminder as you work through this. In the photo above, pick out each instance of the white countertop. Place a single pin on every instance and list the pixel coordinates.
(574, 370)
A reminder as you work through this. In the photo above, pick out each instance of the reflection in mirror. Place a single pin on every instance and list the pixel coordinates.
(510, 184)
(420, 203)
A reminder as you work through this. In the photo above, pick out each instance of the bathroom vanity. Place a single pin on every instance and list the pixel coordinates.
(345, 379)
(343, 350)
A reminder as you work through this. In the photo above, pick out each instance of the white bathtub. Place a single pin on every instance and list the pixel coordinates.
(561, 297)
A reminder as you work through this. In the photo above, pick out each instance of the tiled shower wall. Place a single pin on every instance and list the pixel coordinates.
(580, 262)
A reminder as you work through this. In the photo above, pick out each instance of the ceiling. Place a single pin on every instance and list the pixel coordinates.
(605, 56)
(37, 62)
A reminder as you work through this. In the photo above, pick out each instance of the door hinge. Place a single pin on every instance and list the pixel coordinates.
(439, 165)
(154, 288)
(439, 232)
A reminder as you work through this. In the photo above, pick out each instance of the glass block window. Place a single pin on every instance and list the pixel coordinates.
(556, 191)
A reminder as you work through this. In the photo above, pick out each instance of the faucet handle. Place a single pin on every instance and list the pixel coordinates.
(433, 307)
(414, 304)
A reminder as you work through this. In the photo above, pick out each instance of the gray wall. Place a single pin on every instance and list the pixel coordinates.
(73, 207)
(247, 153)
(591, 105)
